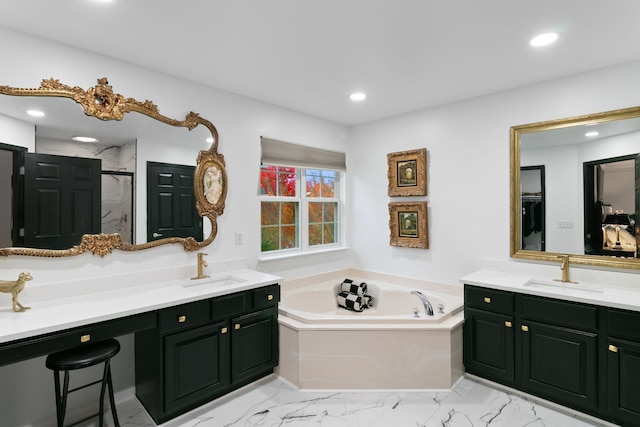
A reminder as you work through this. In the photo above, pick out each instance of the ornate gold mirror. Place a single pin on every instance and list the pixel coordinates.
(584, 197)
(145, 134)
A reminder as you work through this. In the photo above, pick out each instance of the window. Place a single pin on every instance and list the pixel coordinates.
(300, 208)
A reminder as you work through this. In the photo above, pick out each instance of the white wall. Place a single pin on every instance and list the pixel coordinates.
(468, 171)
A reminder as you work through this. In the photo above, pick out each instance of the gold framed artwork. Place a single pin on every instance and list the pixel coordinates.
(408, 225)
(407, 173)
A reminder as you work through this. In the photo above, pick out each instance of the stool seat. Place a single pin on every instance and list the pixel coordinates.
(83, 356)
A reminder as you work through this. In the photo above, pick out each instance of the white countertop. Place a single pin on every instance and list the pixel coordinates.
(56, 308)
(590, 293)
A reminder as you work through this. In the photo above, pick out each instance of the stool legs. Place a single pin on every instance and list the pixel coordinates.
(62, 394)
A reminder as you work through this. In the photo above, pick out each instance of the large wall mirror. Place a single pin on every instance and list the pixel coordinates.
(591, 189)
(63, 197)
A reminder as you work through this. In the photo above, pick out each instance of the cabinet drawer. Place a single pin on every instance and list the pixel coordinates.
(266, 296)
(228, 305)
(558, 312)
(489, 299)
(183, 316)
(624, 324)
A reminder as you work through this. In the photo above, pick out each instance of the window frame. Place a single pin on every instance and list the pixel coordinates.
(303, 211)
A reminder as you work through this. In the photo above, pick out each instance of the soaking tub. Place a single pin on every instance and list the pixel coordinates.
(393, 345)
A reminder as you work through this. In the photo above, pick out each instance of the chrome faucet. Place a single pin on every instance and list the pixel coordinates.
(201, 264)
(428, 309)
(564, 266)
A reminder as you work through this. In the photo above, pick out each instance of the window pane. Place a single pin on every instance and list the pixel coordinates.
(268, 180)
(286, 181)
(329, 214)
(270, 239)
(315, 212)
(270, 213)
(289, 213)
(289, 237)
(320, 183)
(329, 234)
(315, 234)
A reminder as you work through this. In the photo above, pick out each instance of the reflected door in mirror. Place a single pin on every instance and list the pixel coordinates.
(171, 207)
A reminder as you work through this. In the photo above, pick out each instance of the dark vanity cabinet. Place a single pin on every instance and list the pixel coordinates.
(623, 365)
(489, 334)
(583, 356)
(205, 349)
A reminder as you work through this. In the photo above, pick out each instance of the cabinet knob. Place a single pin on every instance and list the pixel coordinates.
(269, 297)
(85, 338)
(507, 324)
(525, 328)
(237, 326)
(487, 300)
(182, 319)
(613, 348)
(223, 330)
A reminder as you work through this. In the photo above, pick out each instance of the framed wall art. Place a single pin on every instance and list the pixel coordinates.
(407, 173)
(408, 225)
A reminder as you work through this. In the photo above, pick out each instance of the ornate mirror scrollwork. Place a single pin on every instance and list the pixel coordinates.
(210, 182)
(573, 151)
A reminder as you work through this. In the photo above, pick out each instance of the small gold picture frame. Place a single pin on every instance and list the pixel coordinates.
(407, 173)
(408, 225)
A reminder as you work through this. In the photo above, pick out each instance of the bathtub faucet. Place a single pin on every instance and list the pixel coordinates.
(428, 309)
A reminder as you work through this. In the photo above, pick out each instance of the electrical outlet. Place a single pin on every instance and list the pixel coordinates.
(565, 224)
(238, 238)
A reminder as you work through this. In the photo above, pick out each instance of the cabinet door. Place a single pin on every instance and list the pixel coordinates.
(624, 384)
(560, 363)
(254, 344)
(488, 345)
(196, 364)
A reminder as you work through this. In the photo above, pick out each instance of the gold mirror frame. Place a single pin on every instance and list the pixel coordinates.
(516, 133)
(102, 103)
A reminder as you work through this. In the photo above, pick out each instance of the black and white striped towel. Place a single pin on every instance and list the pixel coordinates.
(350, 286)
(351, 301)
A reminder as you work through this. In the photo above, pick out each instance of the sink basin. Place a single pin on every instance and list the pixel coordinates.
(552, 284)
(215, 281)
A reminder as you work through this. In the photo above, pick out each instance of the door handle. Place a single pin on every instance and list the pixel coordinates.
(613, 348)
(524, 328)
(156, 235)
(507, 324)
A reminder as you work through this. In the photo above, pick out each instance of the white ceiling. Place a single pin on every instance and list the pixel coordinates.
(310, 55)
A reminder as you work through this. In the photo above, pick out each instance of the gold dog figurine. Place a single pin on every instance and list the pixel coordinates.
(14, 287)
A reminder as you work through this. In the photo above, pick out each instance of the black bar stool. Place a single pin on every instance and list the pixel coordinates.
(82, 357)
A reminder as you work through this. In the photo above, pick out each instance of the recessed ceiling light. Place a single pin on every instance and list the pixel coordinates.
(592, 133)
(358, 96)
(35, 113)
(85, 139)
(544, 39)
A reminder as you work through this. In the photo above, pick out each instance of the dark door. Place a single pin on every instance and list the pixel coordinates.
(489, 345)
(61, 200)
(624, 388)
(254, 344)
(171, 204)
(560, 363)
(11, 191)
(196, 365)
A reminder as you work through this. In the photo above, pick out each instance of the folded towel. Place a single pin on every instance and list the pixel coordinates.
(350, 301)
(349, 285)
(368, 301)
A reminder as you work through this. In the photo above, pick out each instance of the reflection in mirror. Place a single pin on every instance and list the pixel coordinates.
(123, 140)
(590, 171)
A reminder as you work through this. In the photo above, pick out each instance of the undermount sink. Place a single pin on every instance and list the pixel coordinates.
(215, 281)
(552, 284)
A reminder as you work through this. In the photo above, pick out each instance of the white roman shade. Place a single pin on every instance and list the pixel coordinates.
(281, 153)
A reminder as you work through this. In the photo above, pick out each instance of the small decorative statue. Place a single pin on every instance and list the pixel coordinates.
(14, 287)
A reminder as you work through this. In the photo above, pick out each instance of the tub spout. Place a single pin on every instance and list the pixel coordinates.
(428, 309)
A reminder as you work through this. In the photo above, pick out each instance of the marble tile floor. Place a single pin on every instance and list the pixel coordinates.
(273, 402)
